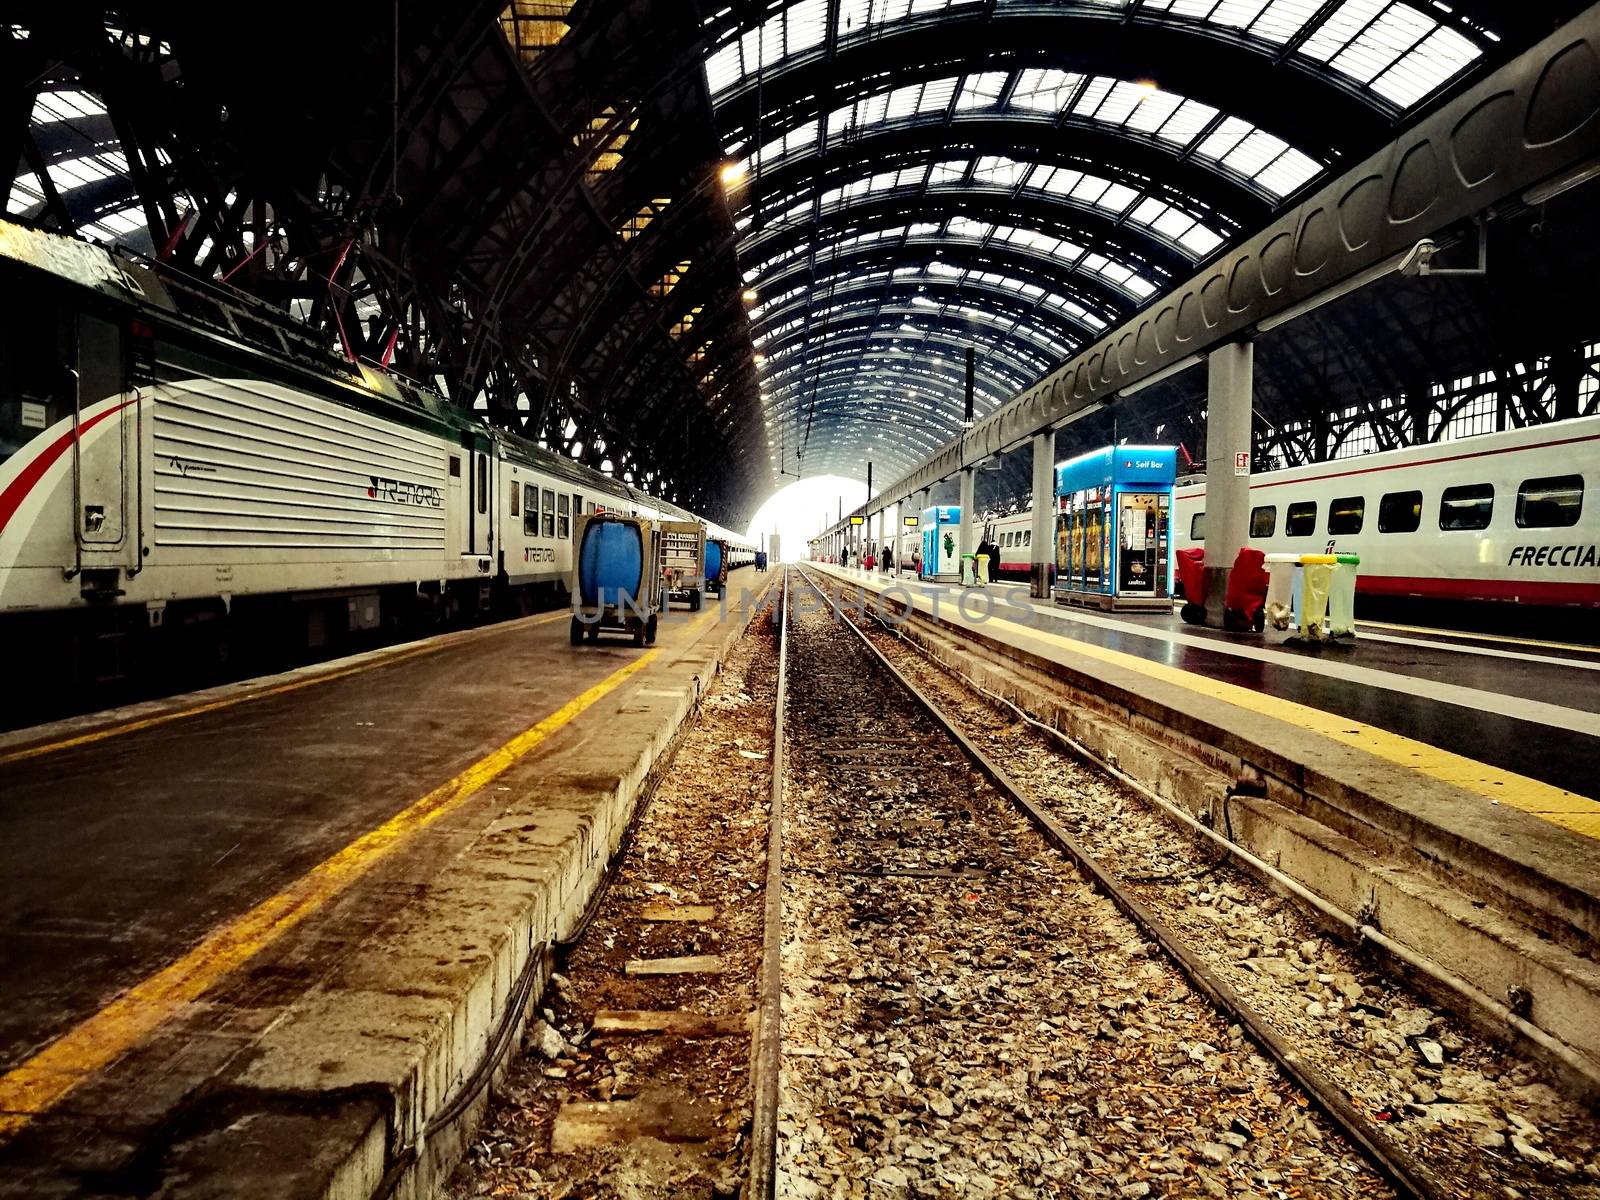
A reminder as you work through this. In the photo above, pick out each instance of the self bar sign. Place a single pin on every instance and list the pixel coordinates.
(1241, 463)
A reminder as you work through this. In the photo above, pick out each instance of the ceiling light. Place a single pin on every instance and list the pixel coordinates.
(732, 173)
(1147, 86)
(749, 295)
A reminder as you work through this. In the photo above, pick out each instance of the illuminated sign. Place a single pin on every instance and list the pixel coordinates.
(913, 522)
(858, 520)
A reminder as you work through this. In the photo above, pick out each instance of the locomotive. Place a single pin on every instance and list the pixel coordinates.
(183, 466)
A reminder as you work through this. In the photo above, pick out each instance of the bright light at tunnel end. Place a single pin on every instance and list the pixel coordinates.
(796, 512)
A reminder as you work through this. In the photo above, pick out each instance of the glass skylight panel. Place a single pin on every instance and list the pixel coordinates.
(1254, 152)
(1117, 105)
(65, 106)
(967, 227)
(792, 31)
(1152, 109)
(995, 169)
(1045, 90)
(982, 90)
(948, 172)
(1282, 19)
(1438, 58)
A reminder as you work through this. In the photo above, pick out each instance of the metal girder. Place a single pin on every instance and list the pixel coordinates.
(1096, 294)
(1316, 109)
(1137, 160)
(1153, 258)
(1523, 125)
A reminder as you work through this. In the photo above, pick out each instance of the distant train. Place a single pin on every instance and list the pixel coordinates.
(174, 453)
(1504, 517)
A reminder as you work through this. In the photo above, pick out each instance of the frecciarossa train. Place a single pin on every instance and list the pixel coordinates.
(173, 452)
(1501, 518)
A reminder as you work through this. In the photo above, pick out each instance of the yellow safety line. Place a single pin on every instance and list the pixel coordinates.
(110, 731)
(1556, 805)
(40, 1083)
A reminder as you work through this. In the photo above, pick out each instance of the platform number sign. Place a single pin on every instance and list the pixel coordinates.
(1241, 463)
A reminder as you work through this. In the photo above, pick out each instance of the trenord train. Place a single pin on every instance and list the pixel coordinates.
(1501, 518)
(180, 464)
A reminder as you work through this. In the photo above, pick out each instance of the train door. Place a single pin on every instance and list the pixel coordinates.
(479, 489)
(105, 449)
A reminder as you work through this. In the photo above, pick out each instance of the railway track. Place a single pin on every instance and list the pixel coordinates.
(964, 1013)
(924, 984)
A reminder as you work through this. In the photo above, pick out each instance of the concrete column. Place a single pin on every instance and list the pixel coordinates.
(965, 542)
(877, 538)
(1042, 554)
(1230, 393)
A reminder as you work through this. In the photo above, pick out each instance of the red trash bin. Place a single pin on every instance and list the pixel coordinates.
(1192, 578)
(1244, 605)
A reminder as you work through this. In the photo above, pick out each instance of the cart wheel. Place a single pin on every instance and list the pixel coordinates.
(577, 631)
(650, 628)
(1194, 614)
(638, 633)
(694, 601)
(594, 632)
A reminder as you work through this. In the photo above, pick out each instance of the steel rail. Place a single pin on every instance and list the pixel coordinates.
(767, 1054)
(1389, 1160)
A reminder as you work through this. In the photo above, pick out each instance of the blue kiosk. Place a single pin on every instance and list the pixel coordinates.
(941, 543)
(1113, 536)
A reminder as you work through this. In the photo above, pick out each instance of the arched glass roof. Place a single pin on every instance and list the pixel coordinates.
(1048, 96)
(922, 176)
(1398, 52)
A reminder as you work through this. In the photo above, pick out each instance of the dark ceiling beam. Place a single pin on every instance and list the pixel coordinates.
(1095, 293)
(1154, 258)
(1308, 105)
(1132, 159)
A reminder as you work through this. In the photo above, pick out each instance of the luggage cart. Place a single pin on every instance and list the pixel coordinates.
(616, 577)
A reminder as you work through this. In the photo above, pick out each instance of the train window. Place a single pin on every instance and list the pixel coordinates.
(1264, 521)
(1466, 507)
(1555, 502)
(549, 513)
(1400, 512)
(1197, 527)
(1347, 514)
(483, 482)
(530, 510)
(455, 466)
(577, 504)
(1301, 519)
(563, 519)
(516, 495)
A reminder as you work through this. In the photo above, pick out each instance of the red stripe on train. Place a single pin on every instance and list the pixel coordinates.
(1523, 591)
(17, 490)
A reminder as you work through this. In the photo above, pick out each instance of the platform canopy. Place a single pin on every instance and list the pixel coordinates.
(711, 245)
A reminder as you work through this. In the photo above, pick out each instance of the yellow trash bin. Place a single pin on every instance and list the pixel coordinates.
(1319, 577)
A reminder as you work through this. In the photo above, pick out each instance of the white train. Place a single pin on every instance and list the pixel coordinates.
(1508, 517)
(173, 453)
(1503, 517)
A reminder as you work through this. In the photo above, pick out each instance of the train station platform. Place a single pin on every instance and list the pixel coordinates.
(1534, 705)
(1449, 786)
(258, 941)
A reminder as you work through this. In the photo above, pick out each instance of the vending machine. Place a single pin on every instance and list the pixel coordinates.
(1113, 535)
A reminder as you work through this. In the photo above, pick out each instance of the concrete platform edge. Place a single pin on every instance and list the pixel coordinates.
(408, 1034)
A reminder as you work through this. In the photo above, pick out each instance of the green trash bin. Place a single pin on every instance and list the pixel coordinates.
(1342, 596)
(969, 570)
